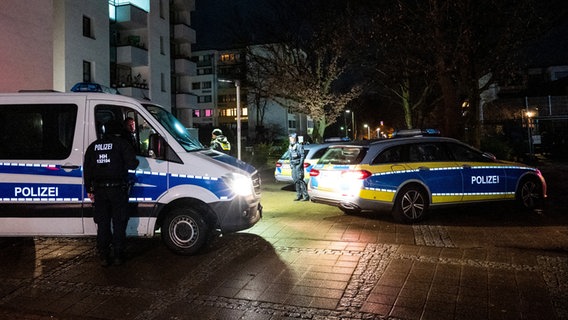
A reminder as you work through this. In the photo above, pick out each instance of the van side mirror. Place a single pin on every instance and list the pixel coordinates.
(156, 146)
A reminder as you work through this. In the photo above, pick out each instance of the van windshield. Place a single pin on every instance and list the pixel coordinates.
(175, 128)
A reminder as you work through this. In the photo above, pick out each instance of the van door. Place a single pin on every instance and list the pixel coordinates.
(41, 190)
(149, 180)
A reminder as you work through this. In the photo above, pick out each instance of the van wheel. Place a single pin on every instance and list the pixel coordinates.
(410, 205)
(184, 231)
(529, 194)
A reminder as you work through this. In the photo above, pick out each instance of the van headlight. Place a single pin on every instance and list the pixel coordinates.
(239, 184)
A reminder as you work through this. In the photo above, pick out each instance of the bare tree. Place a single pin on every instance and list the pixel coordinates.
(300, 82)
(450, 45)
(303, 67)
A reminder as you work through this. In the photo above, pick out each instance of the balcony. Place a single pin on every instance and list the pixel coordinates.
(131, 17)
(185, 67)
(138, 93)
(184, 34)
(131, 56)
(182, 5)
(186, 100)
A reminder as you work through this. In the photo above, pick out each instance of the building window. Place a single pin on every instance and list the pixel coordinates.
(291, 124)
(196, 86)
(204, 71)
(87, 27)
(163, 82)
(162, 9)
(208, 112)
(87, 72)
(228, 57)
(204, 99)
(207, 85)
(162, 45)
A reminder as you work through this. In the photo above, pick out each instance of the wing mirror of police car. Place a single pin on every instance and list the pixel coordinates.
(157, 146)
(490, 156)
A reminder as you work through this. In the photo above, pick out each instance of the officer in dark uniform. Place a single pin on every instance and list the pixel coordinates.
(106, 165)
(297, 156)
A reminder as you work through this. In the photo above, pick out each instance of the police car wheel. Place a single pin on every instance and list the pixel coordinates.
(184, 231)
(410, 205)
(529, 194)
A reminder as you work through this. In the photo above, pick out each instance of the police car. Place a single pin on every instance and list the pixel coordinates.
(408, 175)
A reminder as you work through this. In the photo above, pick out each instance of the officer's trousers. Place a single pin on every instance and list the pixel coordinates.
(111, 213)
(299, 183)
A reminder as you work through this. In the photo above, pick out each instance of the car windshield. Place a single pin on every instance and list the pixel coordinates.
(175, 128)
(343, 155)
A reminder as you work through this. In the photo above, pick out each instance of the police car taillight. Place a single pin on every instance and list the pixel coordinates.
(306, 164)
(356, 174)
(278, 165)
(314, 173)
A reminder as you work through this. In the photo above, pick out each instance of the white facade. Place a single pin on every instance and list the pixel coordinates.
(72, 49)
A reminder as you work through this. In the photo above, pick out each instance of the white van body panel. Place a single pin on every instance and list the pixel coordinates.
(44, 194)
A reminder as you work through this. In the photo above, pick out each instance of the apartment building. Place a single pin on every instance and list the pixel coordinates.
(140, 47)
(220, 74)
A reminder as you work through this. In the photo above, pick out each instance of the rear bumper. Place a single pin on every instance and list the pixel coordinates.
(349, 203)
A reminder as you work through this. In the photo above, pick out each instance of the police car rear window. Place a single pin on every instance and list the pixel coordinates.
(343, 155)
(37, 131)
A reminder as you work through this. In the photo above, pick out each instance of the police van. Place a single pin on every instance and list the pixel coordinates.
(180, 189)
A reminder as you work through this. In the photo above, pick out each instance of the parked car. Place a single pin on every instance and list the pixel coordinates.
(283, 171)
(408, 175)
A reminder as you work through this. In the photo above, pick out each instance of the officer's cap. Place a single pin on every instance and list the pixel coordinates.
(293, 135)
(217, 132)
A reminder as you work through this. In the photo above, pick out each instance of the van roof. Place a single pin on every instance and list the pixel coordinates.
(86, 95)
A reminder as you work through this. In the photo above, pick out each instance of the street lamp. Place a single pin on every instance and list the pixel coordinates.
(529, 114)
(368, 131)
(238, 87)
(352, 123)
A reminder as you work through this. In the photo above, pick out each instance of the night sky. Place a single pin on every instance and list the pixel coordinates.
(221, 24)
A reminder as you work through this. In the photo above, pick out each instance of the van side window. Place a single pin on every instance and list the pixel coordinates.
(34, 132)
(135, 128)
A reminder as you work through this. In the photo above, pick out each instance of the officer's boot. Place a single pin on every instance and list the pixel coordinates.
(118, 256)
(104, 258)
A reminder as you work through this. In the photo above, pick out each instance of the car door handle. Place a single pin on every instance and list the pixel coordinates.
(466, 166)
(423, 168)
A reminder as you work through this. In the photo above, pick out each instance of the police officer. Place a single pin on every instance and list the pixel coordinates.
(296, 152)
(106, 165)
(219, 142)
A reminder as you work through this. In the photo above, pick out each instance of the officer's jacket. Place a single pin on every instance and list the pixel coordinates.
(220, 143)
(107, 160)
(296, 151)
